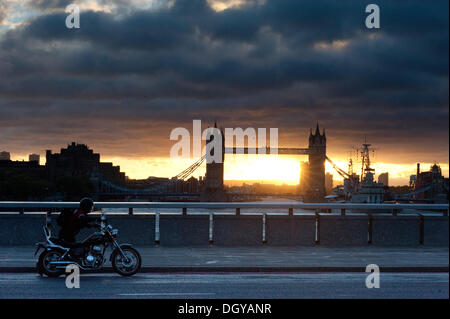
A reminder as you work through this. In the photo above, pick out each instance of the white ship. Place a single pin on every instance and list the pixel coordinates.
(356, 190)
(368, 191)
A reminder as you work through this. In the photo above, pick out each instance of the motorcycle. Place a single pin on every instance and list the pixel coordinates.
(88, 254)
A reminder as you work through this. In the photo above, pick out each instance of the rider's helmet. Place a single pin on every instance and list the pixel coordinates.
(87, 204)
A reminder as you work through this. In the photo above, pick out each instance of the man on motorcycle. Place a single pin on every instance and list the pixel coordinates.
(89, 254)
(72, 222)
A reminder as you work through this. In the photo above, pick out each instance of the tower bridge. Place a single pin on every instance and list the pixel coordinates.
(313, 180)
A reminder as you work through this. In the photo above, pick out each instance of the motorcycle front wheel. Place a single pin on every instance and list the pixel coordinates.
(44, 266)
(129, 265)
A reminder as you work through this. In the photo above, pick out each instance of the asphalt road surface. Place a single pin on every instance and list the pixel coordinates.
(235, 285)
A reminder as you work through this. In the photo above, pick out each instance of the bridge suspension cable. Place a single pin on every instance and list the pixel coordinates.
(191, 169)
(183, 175)
(340, 171)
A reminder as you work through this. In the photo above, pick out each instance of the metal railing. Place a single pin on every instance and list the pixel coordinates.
(342, 208)
(264, 209)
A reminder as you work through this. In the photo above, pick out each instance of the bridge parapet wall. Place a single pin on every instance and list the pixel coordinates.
(295, 230)
(396, 230)
(188, 230)
(348, 230)
(237, 230)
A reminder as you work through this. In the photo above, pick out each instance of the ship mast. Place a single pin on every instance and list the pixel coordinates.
(365, 159)
(350, 167)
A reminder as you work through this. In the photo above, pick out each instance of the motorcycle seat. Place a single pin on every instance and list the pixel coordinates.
(63, 243)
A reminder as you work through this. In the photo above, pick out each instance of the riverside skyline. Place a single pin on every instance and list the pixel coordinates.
(252, 168)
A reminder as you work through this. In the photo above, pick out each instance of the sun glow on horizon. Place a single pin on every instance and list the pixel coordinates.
(273, 169)
(263, 168)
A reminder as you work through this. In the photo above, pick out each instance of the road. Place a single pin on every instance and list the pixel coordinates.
(234, 285)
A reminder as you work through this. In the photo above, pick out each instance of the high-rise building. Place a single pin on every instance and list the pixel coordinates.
(328, 183)
(5, 156)
(34, 158)
(412, 181)
(383, 178)
(303, 183)
(78, 159)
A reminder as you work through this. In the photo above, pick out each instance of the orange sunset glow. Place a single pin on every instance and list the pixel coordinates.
(270, 169)
(265, 168)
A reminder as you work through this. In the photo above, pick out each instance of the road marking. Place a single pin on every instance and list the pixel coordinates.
(168, 294)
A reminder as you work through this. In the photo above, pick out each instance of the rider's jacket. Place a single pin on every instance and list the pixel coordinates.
(77, 221)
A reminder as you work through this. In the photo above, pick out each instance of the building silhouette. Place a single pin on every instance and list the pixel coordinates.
(5, 156)
(383, 178)
(76, 168)
(328, 183)
(78, 159)
(31, 168)
(34, 158)
(439, 185)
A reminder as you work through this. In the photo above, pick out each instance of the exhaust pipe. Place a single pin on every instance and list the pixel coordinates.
(64, 264)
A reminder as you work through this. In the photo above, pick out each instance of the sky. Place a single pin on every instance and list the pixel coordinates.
(136, 70)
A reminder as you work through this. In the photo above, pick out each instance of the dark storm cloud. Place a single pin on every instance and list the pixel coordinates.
(281, 64)
(49, 4)
(3, 8)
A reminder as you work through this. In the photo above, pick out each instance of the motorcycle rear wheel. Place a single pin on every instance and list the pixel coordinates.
(43, 263)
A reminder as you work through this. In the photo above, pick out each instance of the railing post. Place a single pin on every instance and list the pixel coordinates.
(21, 211)
(157, 228)
(184, 211)
(211, 228)
(445, 213)
(421, 229)
(342, 211)
(291, 211)
(395, 212)
(264, 238)
(238, 211)
(317, 213)
(130, 210)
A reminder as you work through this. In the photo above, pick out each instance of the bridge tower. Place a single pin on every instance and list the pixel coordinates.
(315, 189)
(213, 189)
